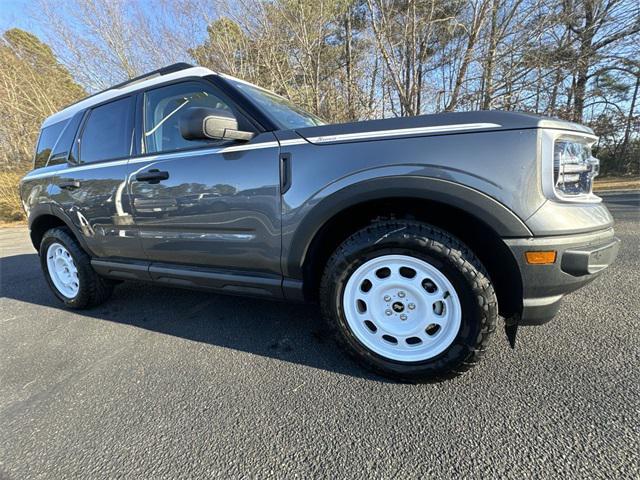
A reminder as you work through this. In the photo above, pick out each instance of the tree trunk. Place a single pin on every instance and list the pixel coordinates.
(580, 91)
(476, 25)
(348, 65)
(551, 109)
(584, 61)
(488, 71)
(627, 129)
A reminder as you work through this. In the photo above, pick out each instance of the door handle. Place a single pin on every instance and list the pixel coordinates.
(152, 176)
(70, 185)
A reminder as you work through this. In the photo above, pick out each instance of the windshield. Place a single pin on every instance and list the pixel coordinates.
(286, 114)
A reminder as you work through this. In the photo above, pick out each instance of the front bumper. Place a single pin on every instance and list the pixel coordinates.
(580, 259)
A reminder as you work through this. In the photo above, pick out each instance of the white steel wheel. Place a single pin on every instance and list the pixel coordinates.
(402, 308)
(62, 270)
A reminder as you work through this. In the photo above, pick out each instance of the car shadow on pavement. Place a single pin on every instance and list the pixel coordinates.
(289, 332)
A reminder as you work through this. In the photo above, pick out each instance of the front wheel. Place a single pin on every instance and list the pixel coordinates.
(409, 301)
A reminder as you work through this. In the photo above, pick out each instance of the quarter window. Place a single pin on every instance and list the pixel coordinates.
(163, 108)
(48, 138)
(107, 132)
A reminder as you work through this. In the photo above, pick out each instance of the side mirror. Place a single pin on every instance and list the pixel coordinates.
(202, 123)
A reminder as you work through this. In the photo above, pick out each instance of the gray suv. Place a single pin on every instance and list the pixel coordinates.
(413, 234)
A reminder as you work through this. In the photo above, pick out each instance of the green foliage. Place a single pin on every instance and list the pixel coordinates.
(40, 59)
(617, 156)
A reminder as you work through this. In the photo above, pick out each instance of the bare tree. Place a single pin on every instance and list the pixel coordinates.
(103, 42)
(478, 14)
(598, 25)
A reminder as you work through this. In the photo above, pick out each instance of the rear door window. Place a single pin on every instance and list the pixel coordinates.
(48, 138)
(108, 131)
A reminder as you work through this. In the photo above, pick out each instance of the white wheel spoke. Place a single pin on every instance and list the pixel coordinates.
(441, 296)
(394, 276)
(426, 339)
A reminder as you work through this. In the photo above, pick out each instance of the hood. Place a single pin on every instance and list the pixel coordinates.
(438, 124)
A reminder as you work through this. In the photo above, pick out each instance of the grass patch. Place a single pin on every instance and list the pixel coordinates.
(627, 182)
(10, 204)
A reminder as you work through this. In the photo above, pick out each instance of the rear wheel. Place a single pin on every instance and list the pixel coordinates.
(68, 271)
(409, 301)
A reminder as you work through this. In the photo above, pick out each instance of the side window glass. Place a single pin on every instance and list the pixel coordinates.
(48, 138)
(107, 132)
(60, 153)
(162, 109)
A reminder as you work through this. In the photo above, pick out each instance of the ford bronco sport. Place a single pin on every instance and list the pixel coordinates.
(414, 234)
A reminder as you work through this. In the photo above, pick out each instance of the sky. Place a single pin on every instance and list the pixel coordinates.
(24, 14)
(20, 13)
(17, 13)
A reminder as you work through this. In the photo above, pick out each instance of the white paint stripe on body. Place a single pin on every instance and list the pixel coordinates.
(297, 141)
(402, 132)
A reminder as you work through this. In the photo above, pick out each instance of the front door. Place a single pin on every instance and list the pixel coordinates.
(205, 203)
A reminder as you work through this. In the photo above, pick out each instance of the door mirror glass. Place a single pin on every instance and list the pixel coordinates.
(201, 123)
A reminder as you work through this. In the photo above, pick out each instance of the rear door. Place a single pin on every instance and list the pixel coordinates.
(211, 203)
(92, 191)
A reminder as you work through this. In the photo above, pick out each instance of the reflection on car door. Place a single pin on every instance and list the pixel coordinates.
(214, 209)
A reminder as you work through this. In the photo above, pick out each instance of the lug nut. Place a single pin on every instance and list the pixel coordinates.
(387, 298)
(401, 294)
(403, 317)
(388, 312)
(411, 306)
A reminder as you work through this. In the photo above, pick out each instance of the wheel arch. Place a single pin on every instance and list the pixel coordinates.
(43, 218)
(478, 220)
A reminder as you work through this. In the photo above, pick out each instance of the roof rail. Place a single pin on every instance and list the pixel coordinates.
(175, 67)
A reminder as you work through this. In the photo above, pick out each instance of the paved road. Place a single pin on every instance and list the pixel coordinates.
(163, 383)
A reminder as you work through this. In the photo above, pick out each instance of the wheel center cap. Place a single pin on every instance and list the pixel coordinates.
(398, 307)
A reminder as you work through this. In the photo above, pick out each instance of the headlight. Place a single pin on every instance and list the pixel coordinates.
(574, 168)
(567, 166)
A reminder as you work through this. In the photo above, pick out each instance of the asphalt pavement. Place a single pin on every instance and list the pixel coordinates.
(161, 383)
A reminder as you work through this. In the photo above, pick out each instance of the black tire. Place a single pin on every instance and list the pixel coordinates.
(93, 289)
(438, 248)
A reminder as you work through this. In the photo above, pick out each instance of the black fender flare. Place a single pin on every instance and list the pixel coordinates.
(39, 211)
(494, 214)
